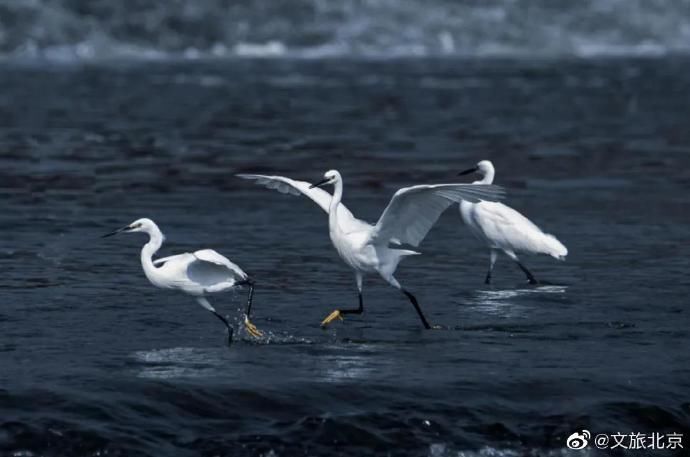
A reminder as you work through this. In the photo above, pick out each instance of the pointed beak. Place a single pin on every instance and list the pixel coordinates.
(123, 229)
(467, 172)
(323, 182)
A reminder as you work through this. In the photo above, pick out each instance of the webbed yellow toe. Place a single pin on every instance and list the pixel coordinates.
(331, 317)
(251, 328)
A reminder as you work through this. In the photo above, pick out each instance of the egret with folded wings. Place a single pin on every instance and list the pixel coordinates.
(197, 274)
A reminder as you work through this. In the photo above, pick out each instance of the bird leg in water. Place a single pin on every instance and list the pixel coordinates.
(248, 325)
(225, 321)
(419, 310)
(491, 267)
(337, 314)
(530, 277)
(204, 302)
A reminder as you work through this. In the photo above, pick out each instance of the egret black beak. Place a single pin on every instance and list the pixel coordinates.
(467, 172)
(323, 182)
(123, 229)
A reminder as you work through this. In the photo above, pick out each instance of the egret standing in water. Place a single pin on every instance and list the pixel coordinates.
(379, 248)
(197, 274)
(504, 229)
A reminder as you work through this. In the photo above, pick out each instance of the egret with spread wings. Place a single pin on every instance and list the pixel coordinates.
(379, 248)
(197, 274)
(502, 228)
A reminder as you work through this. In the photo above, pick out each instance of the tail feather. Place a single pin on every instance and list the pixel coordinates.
(403, 248)
(555, 248)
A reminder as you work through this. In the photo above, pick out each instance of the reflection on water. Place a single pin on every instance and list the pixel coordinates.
(334, 364)
(352, 363)
(506, 302)
(180, 363)
(492, 294)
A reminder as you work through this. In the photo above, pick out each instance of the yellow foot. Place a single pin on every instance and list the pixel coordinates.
(251, 328)
(331, 317)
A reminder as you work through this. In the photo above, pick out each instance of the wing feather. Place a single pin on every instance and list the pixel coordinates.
(162, 260)
(211, 256)
(414, 210)
(508, 229)
(317, 195)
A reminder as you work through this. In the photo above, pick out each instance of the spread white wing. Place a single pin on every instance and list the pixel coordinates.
(322, 198)
(414, 210)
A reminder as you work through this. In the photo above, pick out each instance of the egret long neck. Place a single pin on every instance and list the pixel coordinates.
(147, 252)
(335, 202)
(488, 177)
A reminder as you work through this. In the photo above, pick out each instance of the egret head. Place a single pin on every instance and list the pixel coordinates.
(484, 167)
(140, 225)
(330, 177)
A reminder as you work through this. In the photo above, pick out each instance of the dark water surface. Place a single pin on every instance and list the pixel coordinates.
(94, 360)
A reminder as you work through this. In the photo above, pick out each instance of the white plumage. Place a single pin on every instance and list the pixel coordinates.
(502, 228)
(368, 248)
(197, 274)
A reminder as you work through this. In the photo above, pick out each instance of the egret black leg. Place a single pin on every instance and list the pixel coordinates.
(416, 306)
(491, 267)
(227, 324)
(358, 310)
(251, 328)
(338, 313)
(394, 282)
(530, 277)
(205, 303)
(248, 282)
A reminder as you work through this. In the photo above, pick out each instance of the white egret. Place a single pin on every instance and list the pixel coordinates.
(504, 229)
(197, 274)
(379, 248)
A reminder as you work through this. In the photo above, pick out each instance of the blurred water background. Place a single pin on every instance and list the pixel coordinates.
(96, 29)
